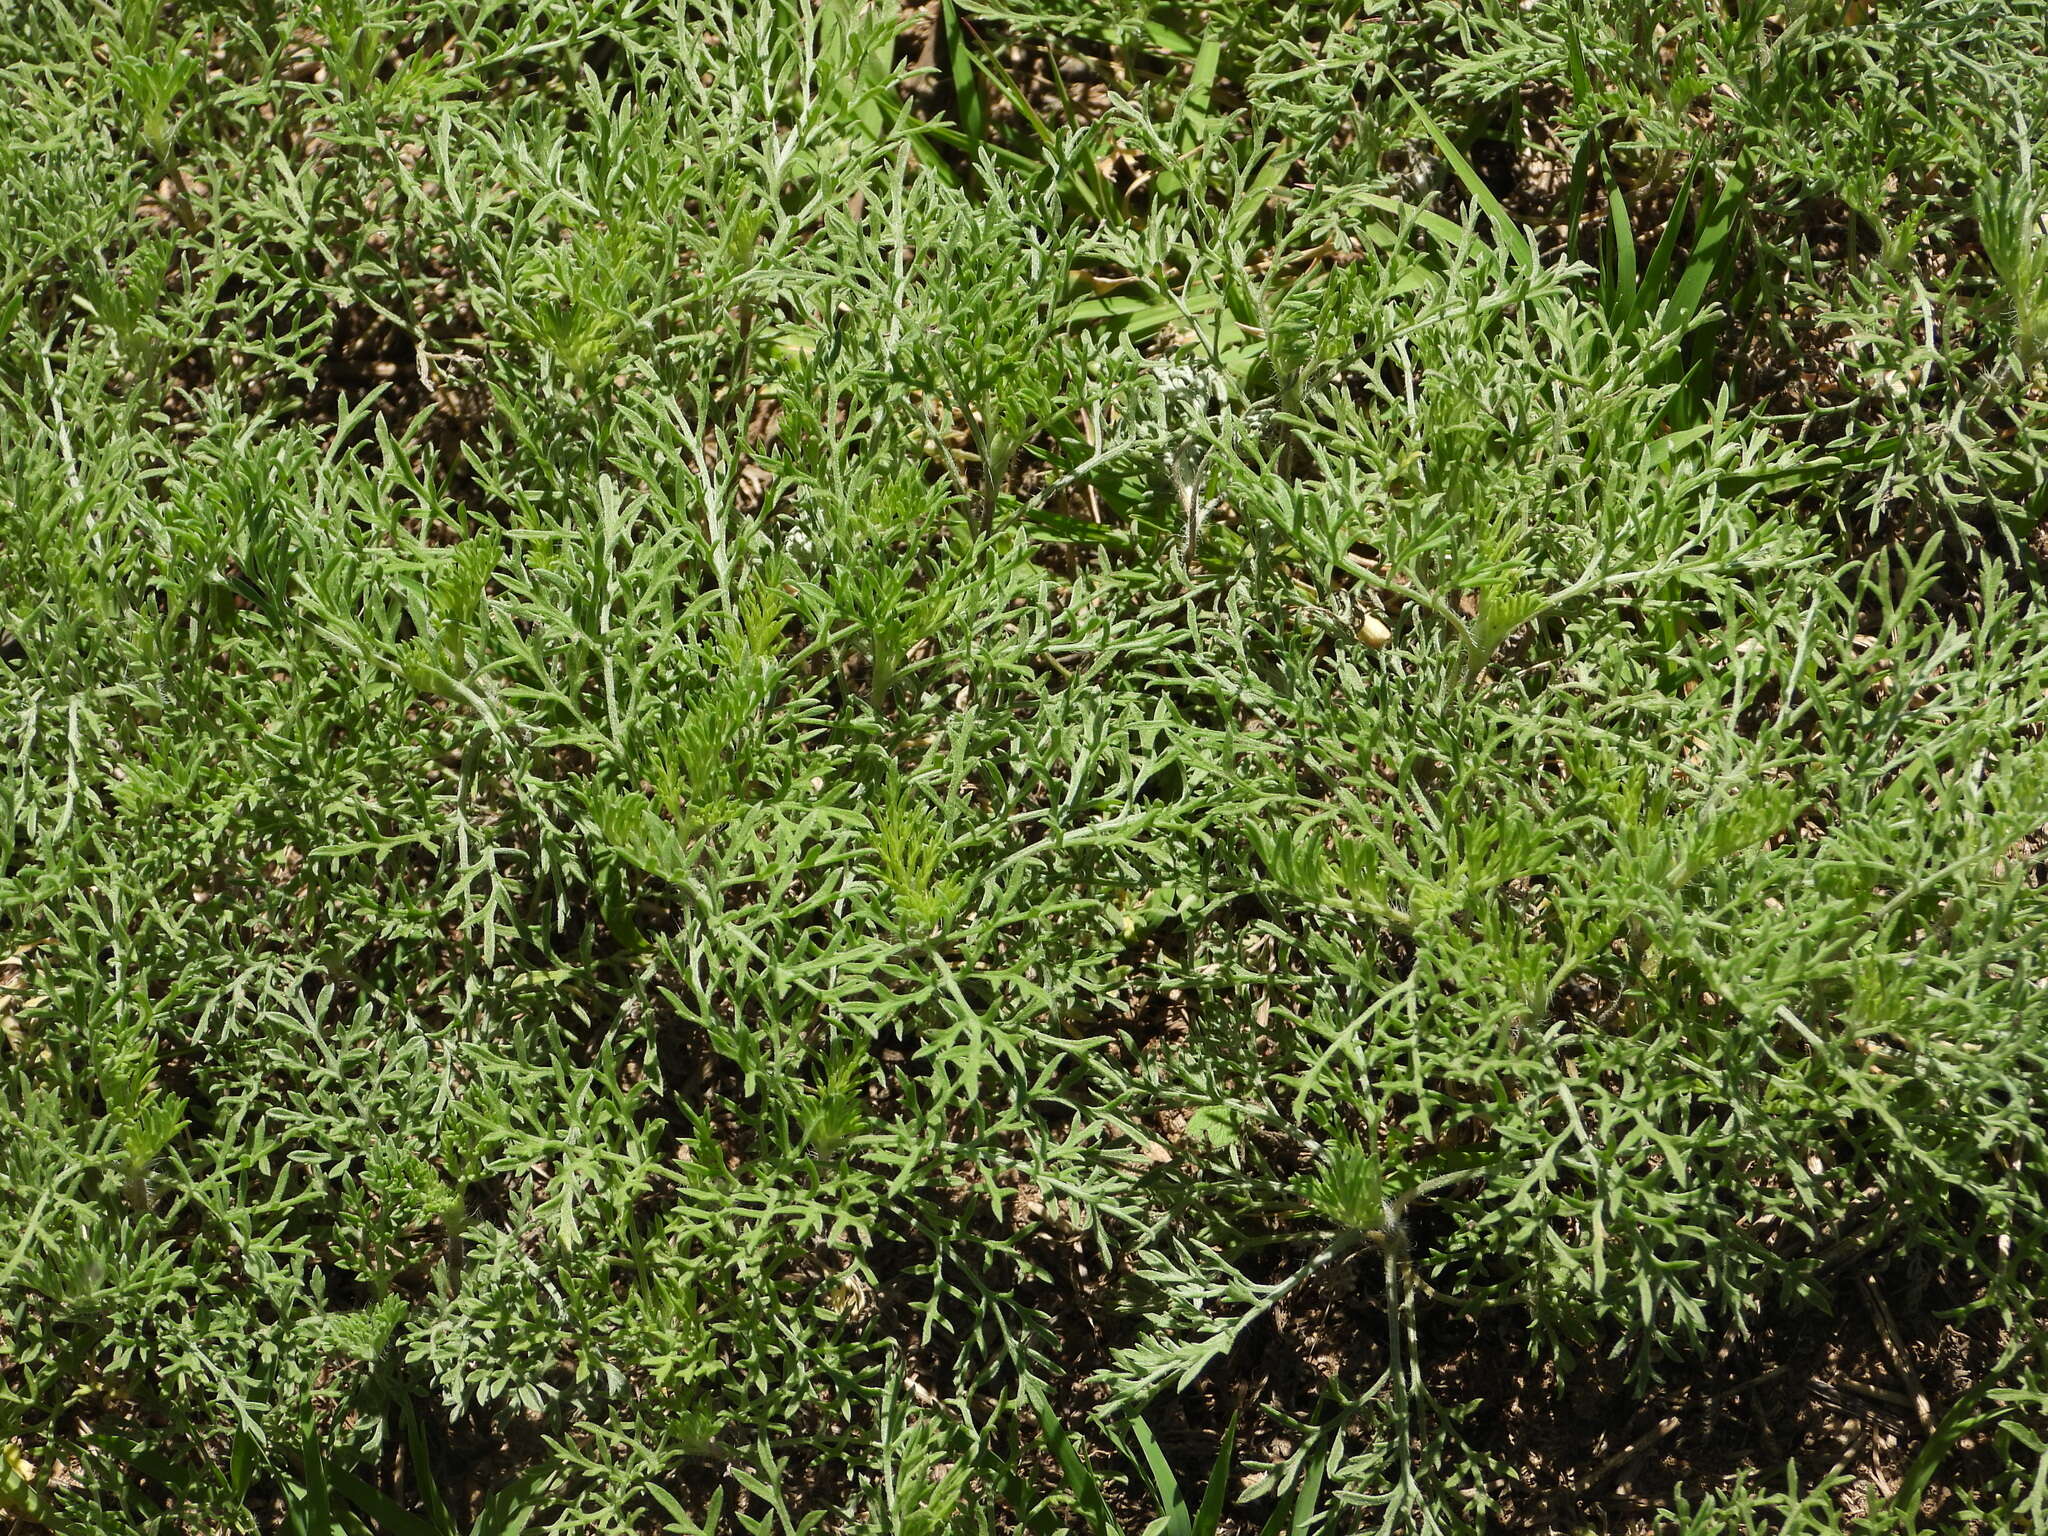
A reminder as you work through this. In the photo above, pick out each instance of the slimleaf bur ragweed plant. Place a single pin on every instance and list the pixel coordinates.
(982, 768)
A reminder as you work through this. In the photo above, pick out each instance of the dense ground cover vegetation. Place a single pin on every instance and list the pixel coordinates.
(777, 766)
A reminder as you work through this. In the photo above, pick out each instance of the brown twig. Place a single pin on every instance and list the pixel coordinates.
(1663, 1427)
(1875, 1394)
(1888, 1332)
(1628, 1453)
